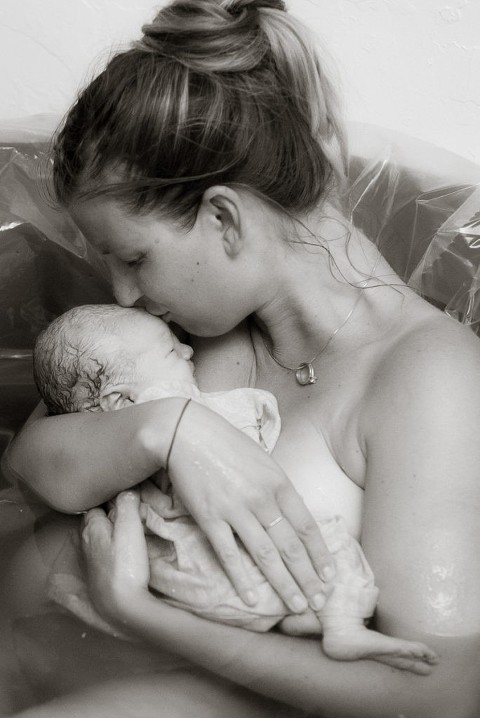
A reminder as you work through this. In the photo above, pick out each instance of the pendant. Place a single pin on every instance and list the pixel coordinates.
(305, 374)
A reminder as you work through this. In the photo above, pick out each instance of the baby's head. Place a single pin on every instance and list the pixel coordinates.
(101, 357)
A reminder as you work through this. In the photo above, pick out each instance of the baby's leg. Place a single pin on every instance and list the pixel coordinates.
(348, 639)
(353, 597)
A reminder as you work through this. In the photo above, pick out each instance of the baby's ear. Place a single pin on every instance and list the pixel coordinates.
(115, 397)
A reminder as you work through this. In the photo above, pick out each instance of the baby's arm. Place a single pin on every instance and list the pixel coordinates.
(352, 599)
(76, 461)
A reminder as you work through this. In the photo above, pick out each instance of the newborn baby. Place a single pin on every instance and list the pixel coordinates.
(105, 357)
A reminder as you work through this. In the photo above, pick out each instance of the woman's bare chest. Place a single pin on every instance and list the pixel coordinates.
(317, 447)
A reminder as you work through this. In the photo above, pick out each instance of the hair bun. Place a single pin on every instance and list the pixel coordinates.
(235, 7)
(210, 35)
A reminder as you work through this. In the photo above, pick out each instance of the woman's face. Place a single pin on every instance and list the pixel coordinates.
(182, 276)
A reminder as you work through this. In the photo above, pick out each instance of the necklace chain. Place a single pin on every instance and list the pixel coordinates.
(305, 372)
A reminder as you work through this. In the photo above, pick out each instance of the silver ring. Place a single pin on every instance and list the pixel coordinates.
(274, 522)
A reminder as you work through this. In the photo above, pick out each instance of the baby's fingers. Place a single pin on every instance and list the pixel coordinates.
(128, 530)
(97, 529)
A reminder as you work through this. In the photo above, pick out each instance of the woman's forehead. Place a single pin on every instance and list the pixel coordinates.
(107, 225)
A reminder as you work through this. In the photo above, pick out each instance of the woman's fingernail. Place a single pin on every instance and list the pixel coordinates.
(299, 603)
(251, 598)
(318, 602)
(327, 573)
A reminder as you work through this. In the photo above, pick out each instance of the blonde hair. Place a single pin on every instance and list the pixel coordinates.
(216, 92)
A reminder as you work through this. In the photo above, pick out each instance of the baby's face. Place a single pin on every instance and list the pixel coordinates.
(159, 356)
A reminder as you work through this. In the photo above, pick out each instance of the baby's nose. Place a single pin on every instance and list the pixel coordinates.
(186, 351)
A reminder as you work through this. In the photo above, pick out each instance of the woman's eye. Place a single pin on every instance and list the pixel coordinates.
(135, 262)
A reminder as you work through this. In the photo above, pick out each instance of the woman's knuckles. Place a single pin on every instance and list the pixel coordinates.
(265, 555)
(228, 556)
(307, 529)
(292, 551)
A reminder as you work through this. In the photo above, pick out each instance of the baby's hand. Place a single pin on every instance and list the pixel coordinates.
(116, 554)
(163, 502)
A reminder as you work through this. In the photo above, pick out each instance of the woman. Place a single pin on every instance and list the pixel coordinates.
(206, 164)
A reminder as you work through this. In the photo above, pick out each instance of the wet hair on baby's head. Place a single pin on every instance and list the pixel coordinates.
(71, 361)
(216, 92)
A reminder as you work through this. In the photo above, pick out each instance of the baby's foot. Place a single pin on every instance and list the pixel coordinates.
(363, 643)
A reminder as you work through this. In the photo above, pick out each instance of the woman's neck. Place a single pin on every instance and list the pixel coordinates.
(321, 291)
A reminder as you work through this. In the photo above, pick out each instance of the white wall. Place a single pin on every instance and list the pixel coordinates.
(411, 65)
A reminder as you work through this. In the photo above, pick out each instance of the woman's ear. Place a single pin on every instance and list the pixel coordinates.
(223, 206)
(115, 397)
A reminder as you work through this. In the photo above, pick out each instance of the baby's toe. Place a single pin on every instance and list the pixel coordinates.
(426, 654)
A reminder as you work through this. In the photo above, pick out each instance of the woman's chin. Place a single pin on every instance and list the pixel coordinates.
(203, 329)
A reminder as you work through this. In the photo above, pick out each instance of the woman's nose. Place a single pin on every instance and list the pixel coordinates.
(125, 287)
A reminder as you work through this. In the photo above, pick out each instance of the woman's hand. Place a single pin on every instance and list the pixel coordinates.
(116, 555)
(228, 483)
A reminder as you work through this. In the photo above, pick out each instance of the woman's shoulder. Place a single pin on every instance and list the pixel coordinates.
(428, 347)
(433, 365)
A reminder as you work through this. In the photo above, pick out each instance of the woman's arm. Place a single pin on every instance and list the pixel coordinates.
(225, 480)
(292, 670)
(295, 671)
(422, 493)
(76, 461)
